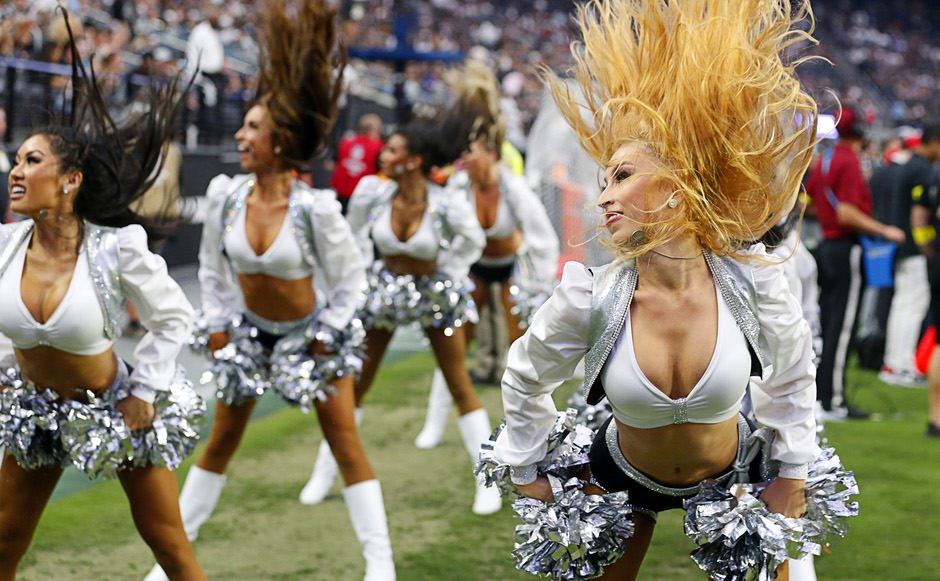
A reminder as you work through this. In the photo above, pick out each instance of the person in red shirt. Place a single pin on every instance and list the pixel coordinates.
(357, 157)
(843, 206)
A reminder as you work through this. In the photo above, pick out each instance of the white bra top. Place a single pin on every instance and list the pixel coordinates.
(422, 245)
(505, 223)
(283, 259)
(716, 397)
(77, 324)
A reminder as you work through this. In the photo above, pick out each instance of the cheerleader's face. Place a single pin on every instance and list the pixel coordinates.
(630, 199)
(478, 160)
(395, 160)
(36, 181)
(255, 142)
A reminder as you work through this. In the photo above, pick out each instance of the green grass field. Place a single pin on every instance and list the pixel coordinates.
(260, 531)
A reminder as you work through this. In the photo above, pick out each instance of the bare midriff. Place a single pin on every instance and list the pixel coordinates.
(67, 374)
(404, 264)
(681, 455)
(502, 247)
(278, 299)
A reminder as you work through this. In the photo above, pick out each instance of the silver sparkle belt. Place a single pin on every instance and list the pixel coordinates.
(277, 328)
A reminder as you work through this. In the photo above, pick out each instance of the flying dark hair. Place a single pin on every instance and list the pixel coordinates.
(118, 163)
(425, 138)
(300, 75)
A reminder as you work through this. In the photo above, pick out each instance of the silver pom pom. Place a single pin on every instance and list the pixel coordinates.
(392, 301)
(239, 368)
(99, 443)
(29, 423)
(576, 536)
(92, 436)
(590, 416)
(302, 379)
(739, 539)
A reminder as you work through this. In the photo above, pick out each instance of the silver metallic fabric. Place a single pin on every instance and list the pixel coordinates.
(243, 370)
(578, 534)
(739, 539)
(92, 436)
(391, 301)
(589, 416)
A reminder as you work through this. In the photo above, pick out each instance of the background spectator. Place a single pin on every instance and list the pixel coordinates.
(356, 157)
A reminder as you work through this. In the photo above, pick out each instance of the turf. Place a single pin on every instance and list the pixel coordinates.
(260, 531)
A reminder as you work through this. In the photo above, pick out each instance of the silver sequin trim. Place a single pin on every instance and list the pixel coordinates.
(104, 264)
(613, 445)
(11, 240)
(741, 297)
(680, 410)
(277, 328)
(609, 310)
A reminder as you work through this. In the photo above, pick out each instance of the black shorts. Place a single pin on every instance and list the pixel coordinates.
(491, 274)
(645, 494)
(933, 277)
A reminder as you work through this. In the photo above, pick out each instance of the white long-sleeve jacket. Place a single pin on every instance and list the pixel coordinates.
(324, 237)
(539, 239)
(459, 233)
(122, 269)
(584, 317)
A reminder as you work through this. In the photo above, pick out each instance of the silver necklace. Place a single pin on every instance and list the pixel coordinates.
(675, 257)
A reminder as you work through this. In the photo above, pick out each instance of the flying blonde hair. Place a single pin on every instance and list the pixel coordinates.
(476, 113)
(705, 86)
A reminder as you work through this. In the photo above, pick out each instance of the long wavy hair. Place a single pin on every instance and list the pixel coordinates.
(300, 75)
(475, 114)
(708, 88)
(118, 164)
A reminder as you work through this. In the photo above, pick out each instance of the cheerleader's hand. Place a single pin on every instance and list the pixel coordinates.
(785, 496)
(317, 348)
(138, 414)
(217, 341)
(540, 489)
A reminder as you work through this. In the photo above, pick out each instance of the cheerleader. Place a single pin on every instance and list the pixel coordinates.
(704, 135)
(520, 258)
(267, 238)
(426, 241)
(68, 270)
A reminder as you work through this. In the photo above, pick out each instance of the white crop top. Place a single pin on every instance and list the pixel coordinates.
(77, 324)
(716, 397)
(283, 259)
(422, 245)
(504, 224)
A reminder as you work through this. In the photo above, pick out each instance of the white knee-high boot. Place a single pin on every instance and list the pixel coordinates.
(435, 421)
(324, 472)
(802, 570)
(367, 513)
(198, 498)
(475, 429)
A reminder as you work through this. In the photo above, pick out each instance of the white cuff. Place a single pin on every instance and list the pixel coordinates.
(144, 393)
(793, 471)
(522, 475)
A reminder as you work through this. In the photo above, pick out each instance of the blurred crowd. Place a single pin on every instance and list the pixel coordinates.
(887, 55)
